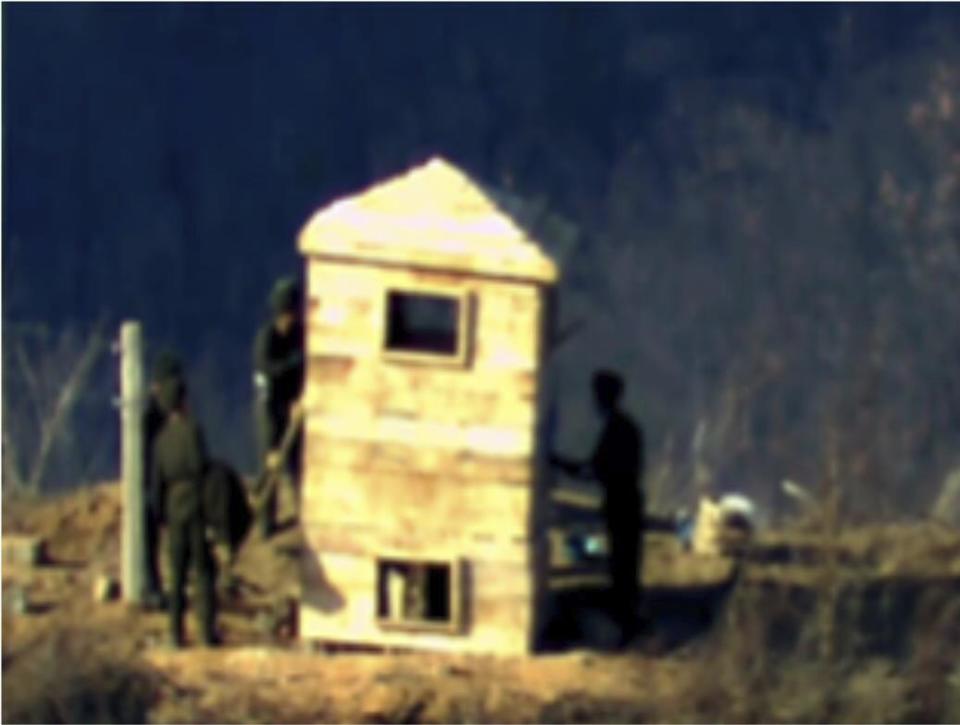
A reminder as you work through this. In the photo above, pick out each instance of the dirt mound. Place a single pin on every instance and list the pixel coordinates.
(54, 655)
(79, 527)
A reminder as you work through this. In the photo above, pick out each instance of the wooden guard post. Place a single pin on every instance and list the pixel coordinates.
(131, 415)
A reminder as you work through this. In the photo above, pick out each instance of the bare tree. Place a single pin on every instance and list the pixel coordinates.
(44, 378)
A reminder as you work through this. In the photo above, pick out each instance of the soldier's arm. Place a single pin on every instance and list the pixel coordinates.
(598, 459)
(201, 457)
(156, 485)
(572, 467)
(153, 419)
(270, 366)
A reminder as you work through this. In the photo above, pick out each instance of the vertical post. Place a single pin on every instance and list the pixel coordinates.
(131, 414)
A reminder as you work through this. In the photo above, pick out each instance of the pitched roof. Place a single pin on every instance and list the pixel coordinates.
(434, 216)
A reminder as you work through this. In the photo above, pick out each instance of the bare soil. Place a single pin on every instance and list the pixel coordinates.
(263, 673)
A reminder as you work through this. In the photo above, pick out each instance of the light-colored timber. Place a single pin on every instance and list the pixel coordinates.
(419, 455)
(132, 395)
(22, 551)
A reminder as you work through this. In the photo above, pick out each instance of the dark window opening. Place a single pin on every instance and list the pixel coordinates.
(414, 592)
(423, 323)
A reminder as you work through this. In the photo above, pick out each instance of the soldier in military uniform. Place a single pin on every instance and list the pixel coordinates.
(278, 379)
(617, 463)
(228, 518)
(167, 366)
(179, 466)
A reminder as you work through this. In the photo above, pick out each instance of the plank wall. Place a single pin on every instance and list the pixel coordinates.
(420, 459)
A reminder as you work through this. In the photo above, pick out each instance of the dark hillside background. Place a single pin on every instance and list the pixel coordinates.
(766, 199)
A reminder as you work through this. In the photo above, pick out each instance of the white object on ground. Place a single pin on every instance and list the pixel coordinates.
(795, 491)
(717, 520)
(105, 588)
(735, 504)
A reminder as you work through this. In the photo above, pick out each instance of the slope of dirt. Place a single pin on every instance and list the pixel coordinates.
(263, 674)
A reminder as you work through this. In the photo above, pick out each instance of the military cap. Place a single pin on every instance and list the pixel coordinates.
(285, 296)
(608, 386)
(167, 365)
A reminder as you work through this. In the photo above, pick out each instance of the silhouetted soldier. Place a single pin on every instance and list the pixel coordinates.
(278, 379)
(177, 482)
(617, 463)
(227, 514)
(167, 366)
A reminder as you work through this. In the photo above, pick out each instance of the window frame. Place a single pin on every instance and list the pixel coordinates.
(453, 626)
(460, 358)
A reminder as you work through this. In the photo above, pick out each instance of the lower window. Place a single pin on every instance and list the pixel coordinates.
(418, 594)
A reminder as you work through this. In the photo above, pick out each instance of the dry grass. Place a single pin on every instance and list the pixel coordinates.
(765, 662)
(66, 679)
(873, 637)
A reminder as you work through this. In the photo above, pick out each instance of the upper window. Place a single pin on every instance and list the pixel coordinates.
(425, 324)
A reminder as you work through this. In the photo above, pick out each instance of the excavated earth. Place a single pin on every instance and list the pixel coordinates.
(111, 662)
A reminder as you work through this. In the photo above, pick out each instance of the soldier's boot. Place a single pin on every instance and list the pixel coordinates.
(207, 606)
(177, 606)
(227, 582)
(175, 638)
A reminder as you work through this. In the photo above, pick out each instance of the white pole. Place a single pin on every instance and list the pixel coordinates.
(131, 414)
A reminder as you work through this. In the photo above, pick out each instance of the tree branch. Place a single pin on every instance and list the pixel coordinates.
(11, 462)
(69, 392)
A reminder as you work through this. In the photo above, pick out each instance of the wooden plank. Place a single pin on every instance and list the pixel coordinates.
(399, 477)
(336, 536)
(485, 578)
(332, 370)
(419, 461)
(503, 613)
(376, 457)
(133, 394)
(346, 312)
(426, 492)
(23, 551)
(338, 386)
(495, 580)
(498, 440)
(418, 502)
(513, 640)
(488, 623)
(327, 274)
(579, 497)
(492, 622)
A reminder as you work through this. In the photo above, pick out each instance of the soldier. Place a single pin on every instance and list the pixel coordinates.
(228, 517)
(278, 379)
(167, 366)
(617, 463)
(179, 467)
